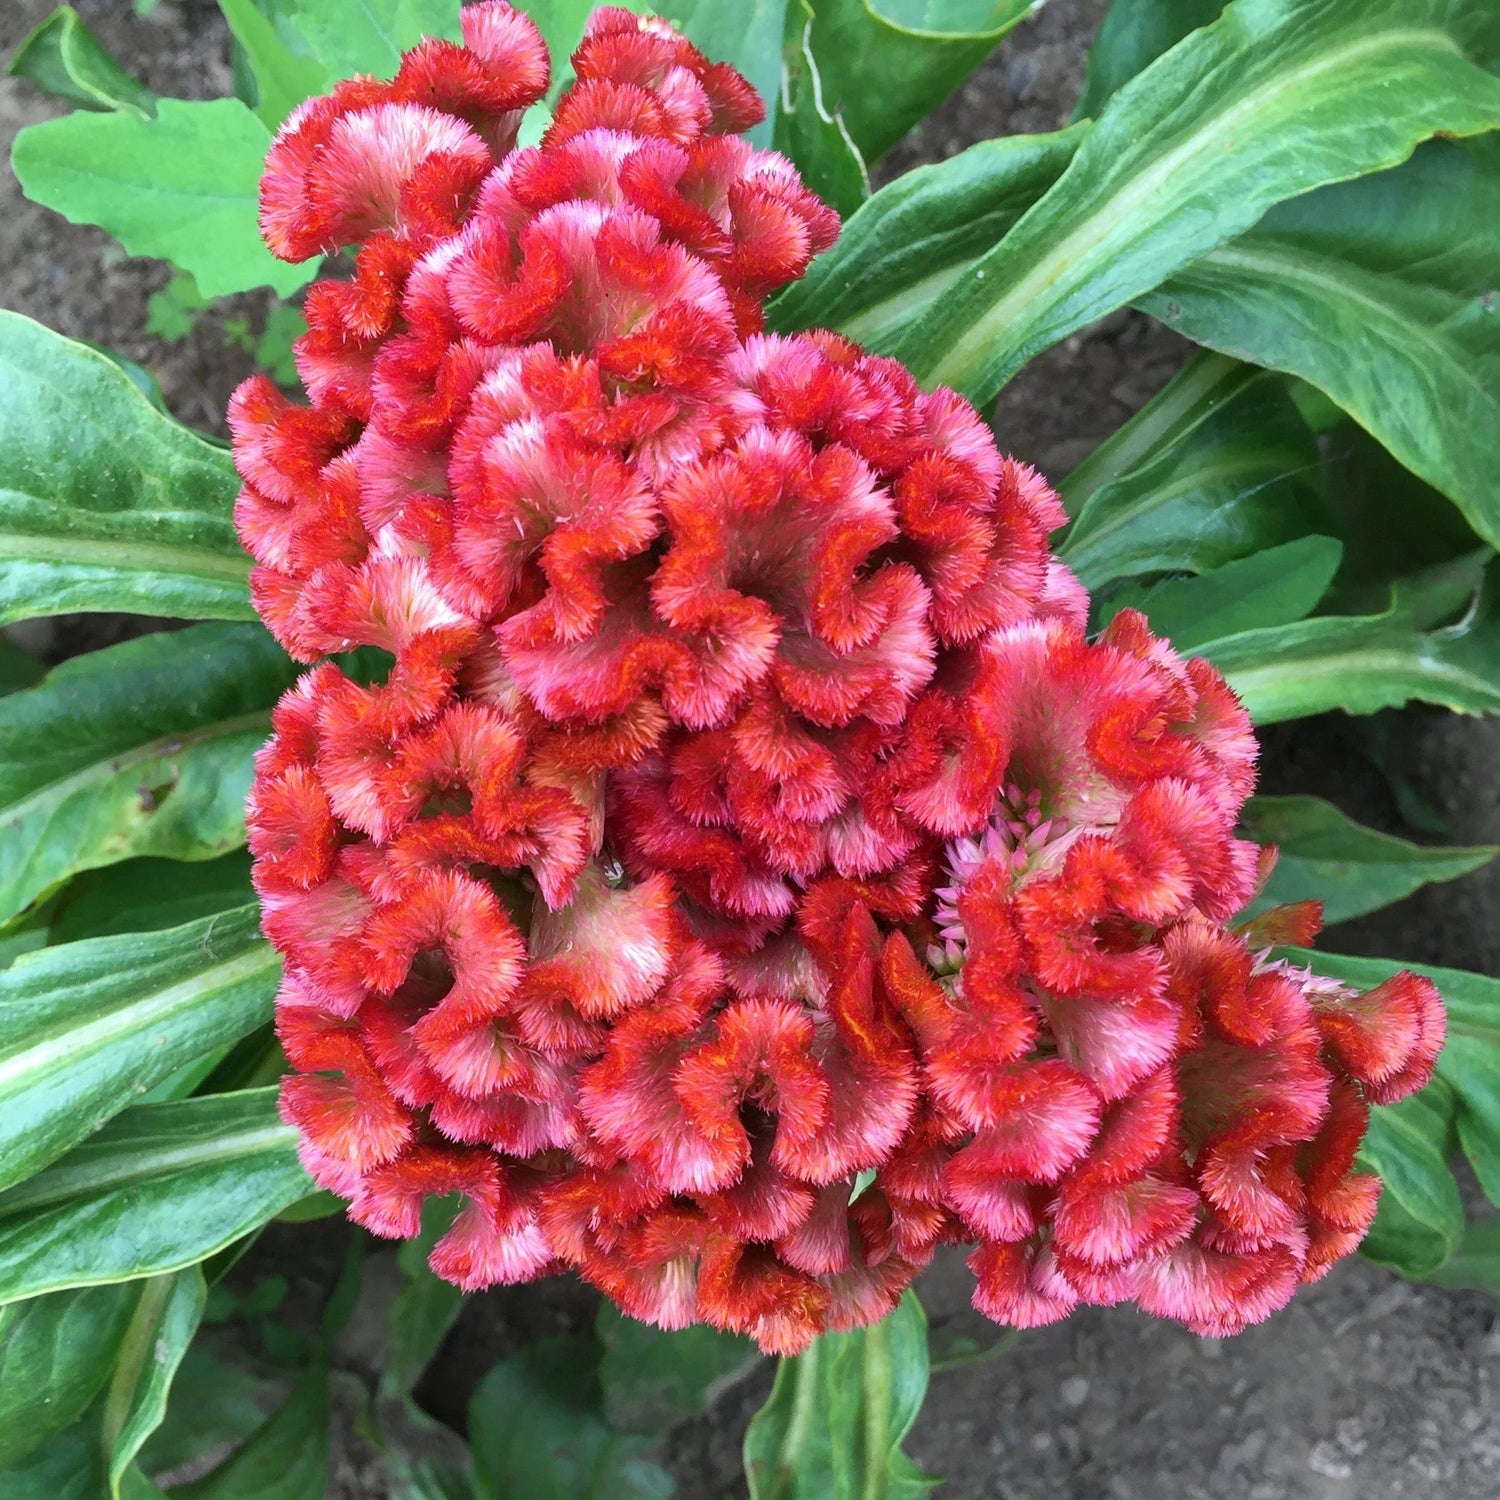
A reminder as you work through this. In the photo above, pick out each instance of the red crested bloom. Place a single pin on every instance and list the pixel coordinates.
(721, 666)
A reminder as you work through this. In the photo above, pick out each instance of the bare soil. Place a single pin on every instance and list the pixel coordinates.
(1367, 1386)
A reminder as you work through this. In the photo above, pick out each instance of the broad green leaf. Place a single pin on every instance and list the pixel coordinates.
(183, 187)
(217, 1397)
(1382, 293)
(62, 57)
(913, 239)
(833, 1426)
(1216, 469)
(537, 1428)
(88, 1027)
(166, 1318)
(1391, 523)
(1274, 587)
(744, 33)
(810, 126)
(149, 895)
(1361, 663)
(18, 668)
(70, 1467)
(1421, 1217)
(106, 502)
(56, 1355)
(1276, 98)
(423, 1310)
(159, 1188)
(1351, 869)
(1475, 1265)
(285, 1459)
(1132, 35)
(142, 748)
(369, 36)
(653, 1379)
(887, 63)
(1470, 1060)
(283, 78)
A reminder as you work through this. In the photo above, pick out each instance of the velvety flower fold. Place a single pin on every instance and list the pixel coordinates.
(742, 873)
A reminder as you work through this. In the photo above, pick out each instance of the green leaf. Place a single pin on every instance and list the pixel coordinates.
(106, 503)
(183, 186)
(1475, 1265)
(1385, 294)
(744, 33)
(1216, 468)
(283, 78)
(62, 58)
(652, 1379)
(833, 1426)
(810, 126)
(56, 1354)
(18, 668)
(1275, 587)
(149, 895)
(1361, 663)
(158, 1189)
(1276, 98)
(217, 1397)
(1421, 1217)
(1132, 35)
(369, 36)
(285, 1459)
(1350, 868)
(908, 244)
(141, 748)
(423, 1310)
(887, 63)
(166, 1318)
(88, 1027)
(70, 1467)
(537, 1428)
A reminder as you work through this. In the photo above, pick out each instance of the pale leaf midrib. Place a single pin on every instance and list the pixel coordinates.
(60, 1183)
(1136, 192)
(113, 765)
(189, 562)
(69, 1044)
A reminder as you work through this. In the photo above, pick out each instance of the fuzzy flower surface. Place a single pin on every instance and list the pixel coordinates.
(744, 875)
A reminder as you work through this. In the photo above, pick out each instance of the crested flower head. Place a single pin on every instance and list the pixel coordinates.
(720, 673)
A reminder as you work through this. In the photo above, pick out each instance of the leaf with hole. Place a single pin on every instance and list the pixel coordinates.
(139, 749)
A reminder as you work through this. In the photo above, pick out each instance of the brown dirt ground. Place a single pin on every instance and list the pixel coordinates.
(1367, 1387)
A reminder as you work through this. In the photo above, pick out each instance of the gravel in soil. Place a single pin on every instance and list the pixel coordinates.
(1366, 1386)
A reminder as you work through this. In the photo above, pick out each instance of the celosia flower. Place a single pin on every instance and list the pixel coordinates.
(598, 910)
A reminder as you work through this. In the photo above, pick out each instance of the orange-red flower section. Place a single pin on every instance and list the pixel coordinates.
(744, 874)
